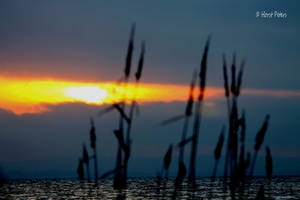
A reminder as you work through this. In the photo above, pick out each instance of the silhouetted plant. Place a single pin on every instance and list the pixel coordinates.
(258, 141)
(164, 170)
(120, 176)
(188, 113)
(269, 163)
(242, 162)
(167, 160)
(233, 73)
(124, 143)
(129, 52)
(80, 170)
(179, 178)
(93, 146)
(138, 74)
(227, 94)
(158, 181)
(231, 156)
(133, 106)
(239, 80)
(119, 108)
(248, 160)
(237, 133)
(111, 172)
(85, 159)
(198, 109)
(217, 152)
(181, 173)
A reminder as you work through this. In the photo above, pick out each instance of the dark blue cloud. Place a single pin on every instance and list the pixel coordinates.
(58, 134)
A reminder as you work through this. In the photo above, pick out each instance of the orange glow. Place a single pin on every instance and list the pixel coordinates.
(32, 95)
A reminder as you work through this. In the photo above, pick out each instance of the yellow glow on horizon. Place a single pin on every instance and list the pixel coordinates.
(32, 95)
(23, 95)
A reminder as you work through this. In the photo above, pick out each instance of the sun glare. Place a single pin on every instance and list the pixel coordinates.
(89, 94)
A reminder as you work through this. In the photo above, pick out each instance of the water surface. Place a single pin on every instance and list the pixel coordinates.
(146, 188)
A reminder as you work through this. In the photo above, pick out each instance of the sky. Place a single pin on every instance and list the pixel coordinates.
(60, 60)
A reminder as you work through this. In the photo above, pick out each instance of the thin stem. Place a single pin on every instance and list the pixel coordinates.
(184, 132)
(228, 141)
(95, 164)
(88, 171)
(253, 164)
(215, 170)
(128, 131)
(195, 142)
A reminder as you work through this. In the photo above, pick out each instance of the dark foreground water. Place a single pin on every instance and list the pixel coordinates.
(146, 188)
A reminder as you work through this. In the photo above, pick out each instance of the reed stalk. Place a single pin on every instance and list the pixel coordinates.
(227, 95)
(85, 158)
(217, 152)
(80, 170)
(167, 161)
(93, 146)
(242, 167)
(269, 163)
(258, 142)
(138, 75)
(198, 111)
(188, 113)
(119, 179)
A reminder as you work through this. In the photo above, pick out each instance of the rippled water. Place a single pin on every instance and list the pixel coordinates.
(146, 188)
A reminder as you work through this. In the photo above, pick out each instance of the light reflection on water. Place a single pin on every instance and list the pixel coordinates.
(146, 188)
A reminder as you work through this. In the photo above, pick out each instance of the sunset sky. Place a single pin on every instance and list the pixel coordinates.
(60, 62)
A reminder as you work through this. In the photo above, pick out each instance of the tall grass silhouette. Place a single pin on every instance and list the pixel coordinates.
(237, 161)
(198, 110)
(133, 107)
(80, 170)
(163, 175)
(119, 181)
(93, 146)
(85, 159)
(167, 161)
(269, 163)
(124, 141)
(184, 140)
(258, 142)
(217, 152)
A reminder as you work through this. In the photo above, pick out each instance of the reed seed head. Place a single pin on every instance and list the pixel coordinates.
(129, 52)
(168, 158)
(204, 66)
(226, 87)
(261, 134)
(233, 69)
(138, 74)
(239, 80)
(218, 149)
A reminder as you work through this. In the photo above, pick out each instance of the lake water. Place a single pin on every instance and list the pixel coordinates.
(146, 188)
